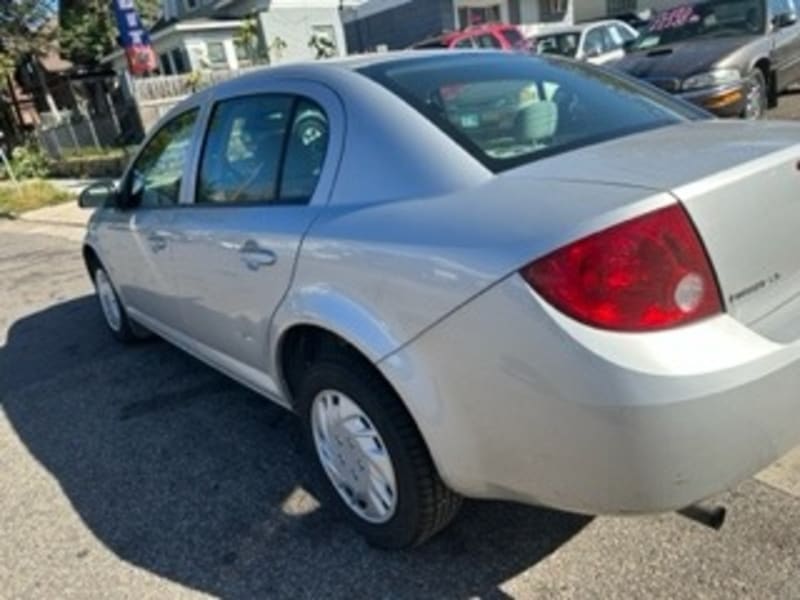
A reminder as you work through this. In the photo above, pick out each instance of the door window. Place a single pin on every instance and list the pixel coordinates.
(156, 174)
(263, 149)
(487, 40)
(596, 43)
(782, 7)
(305, 153)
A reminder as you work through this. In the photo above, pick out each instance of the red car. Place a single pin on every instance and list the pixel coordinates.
(494, 35)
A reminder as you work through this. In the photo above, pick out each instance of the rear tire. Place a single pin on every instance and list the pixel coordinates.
(116, 318)
(413, 503)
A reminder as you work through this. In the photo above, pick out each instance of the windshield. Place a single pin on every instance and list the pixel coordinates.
(563, 44)
(508, 109)
(716, 18)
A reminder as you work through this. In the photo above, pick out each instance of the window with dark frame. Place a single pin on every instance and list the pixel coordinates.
(157, 173)
(267, 149)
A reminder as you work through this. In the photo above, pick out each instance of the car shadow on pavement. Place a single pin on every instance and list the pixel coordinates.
(180, 471)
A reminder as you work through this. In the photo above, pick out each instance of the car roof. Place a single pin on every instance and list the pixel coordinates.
(448, 36)
(353, 62)
(579, 27)
(333, 71)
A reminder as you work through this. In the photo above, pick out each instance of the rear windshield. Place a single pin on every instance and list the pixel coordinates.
(508, 110)
(514, 38)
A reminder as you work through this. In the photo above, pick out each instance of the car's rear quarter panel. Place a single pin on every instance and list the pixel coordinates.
(518, 402)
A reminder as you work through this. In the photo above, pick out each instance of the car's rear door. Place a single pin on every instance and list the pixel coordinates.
(265, 170)
(135, 241)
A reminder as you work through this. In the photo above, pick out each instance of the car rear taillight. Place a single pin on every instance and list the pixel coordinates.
(646, 274)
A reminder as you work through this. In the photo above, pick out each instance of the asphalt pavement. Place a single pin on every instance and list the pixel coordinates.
(141, 473)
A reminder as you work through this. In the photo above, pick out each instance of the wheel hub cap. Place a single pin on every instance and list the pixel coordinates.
(354, 456)
(108, 301)
(755, 100)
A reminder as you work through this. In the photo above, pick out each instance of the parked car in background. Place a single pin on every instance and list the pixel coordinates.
(598, 43)
(490, 36)
(638, 21)
(731, 57)
(400, 249)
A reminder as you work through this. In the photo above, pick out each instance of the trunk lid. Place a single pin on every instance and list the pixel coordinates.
(740, 182)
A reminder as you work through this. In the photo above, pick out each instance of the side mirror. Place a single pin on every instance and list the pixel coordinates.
(102, 193)
(785, 20)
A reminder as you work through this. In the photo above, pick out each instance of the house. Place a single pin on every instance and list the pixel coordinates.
(196, 35)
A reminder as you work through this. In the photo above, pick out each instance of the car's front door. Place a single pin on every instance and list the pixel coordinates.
(600, 47)
(135, 238)
(786, 42)
(264, 172)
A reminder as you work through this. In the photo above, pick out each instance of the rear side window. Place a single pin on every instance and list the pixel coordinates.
(263, 149)
(508, 110)
(487, 40)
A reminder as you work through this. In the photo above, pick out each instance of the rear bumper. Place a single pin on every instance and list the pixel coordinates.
(724, 101)
(517, 402)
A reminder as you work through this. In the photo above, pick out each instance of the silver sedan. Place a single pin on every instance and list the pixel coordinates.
(473, 274)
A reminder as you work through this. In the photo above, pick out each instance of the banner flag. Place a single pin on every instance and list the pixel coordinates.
(134, 38)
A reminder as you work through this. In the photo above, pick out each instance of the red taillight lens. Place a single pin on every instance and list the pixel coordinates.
(645, 274)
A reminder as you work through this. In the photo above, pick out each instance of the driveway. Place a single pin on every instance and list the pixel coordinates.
(142, 473)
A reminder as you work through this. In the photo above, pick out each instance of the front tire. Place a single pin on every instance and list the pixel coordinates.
(757, 99)
(371, 460)
(116, 318)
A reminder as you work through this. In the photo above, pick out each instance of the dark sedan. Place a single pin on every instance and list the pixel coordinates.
(731, 57)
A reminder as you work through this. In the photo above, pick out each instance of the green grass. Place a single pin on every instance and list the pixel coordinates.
(28, 195)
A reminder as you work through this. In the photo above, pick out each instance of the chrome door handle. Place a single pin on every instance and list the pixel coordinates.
(255, 256)
(157, 242)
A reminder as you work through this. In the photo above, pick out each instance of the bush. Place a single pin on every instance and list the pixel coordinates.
(28, 162)
(17, 198)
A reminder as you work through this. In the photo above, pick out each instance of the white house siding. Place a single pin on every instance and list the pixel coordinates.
(295, 23)
(196, 45)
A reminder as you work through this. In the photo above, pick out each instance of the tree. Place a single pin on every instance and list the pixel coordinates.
(27, 33)
(247, 38)
(26, 30)
(89, 29)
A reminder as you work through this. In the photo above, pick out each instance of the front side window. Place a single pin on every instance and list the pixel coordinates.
(262, 149)
(156, 175)
(596, 43)
(507, 110)
(487, 40)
